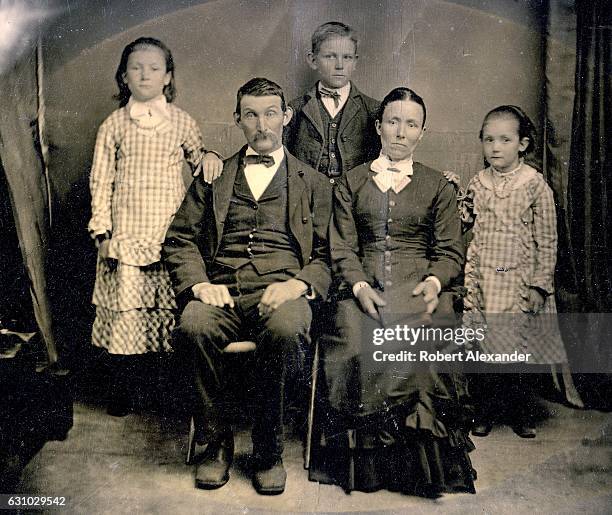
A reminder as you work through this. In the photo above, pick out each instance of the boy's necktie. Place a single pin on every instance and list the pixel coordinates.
(257, 159)
(331, 94)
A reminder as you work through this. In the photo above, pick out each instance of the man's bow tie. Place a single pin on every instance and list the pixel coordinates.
(257, 159)
(331, 94)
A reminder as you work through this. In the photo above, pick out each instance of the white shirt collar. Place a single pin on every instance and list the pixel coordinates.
(395, 175)
(259, 176)
(149, 114)
(328, 102)
(278, 154)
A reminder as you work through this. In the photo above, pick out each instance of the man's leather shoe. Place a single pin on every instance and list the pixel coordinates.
(482, 429)
(213, 471)
(270, 480)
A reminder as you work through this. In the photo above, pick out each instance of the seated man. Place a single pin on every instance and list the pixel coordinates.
(245, 255)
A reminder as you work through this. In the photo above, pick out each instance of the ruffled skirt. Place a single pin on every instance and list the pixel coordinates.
(135, 308)
(399, 426)
(404, 449)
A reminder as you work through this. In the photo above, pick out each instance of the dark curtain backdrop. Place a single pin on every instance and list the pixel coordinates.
(19, 153)
(589, 194)
(578, 112)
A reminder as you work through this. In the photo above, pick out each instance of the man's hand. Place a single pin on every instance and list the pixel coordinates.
(536, 301)
(370, 301)
(277, 293)
(212, 167)
(213, 294)
(429, 291)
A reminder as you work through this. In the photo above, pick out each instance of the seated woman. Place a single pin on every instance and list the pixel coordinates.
(396, 243)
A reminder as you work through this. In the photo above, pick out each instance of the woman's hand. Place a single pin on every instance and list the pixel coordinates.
(429, 290)
(370, 301)
(211, 165)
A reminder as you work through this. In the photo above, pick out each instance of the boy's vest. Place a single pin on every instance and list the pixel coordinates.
(331, 162)
(356, 141)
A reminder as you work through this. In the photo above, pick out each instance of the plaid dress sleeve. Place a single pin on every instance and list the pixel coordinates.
(545, 237)
(102, 178)
(192, 145)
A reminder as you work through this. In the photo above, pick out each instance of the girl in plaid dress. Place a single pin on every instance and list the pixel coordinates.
(136, 187)
(510, 267)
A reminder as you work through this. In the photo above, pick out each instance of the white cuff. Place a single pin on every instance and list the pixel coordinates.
(206, 151)
(311, 293)
(436, 281)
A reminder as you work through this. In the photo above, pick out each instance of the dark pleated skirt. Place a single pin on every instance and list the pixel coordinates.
(387, 425)
(392, 450)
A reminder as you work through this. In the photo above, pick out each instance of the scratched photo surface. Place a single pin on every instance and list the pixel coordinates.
(57, 64)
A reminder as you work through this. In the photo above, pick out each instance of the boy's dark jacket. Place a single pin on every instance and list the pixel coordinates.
(194, 236)
(357, 138)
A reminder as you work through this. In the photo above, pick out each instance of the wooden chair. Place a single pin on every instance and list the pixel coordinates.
(240, 347)
(246, 346)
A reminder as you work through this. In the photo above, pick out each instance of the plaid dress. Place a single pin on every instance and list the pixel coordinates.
(136, 187)
(514, 247)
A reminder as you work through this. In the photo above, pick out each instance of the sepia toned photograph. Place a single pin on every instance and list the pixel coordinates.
(305, 256)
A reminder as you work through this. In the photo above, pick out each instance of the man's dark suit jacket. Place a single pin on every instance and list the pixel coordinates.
(357, 138)
(193, 239)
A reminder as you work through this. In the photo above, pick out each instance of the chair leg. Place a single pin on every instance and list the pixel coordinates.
(191, 442)
(311, 409)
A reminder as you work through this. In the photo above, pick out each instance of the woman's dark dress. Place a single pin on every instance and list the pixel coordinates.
(377, 428)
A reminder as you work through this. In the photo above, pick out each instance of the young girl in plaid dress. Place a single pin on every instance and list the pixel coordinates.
(136, 187)
(510, 267)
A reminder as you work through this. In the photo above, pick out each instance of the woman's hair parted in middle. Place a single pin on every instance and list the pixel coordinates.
(401, 94)
(124, 92)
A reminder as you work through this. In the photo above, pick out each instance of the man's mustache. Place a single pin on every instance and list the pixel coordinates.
(262, 135)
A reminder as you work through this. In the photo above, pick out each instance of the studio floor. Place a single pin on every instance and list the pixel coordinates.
(135, 465)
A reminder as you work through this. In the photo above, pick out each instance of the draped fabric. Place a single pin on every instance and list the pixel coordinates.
(589, 192)
(578, 153)
(26, 183)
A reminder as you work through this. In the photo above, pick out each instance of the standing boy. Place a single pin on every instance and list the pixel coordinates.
(333, 124)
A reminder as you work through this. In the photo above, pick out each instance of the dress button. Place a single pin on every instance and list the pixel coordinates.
(332, 154)
(255, 206)
(334, 124)
(251, 236)
(388, 268)
(388, 283)
(332, 181)
(304, 220)
(392, 203)
(387, 237)
(387, 253)
(390, 220)
(333, 140)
